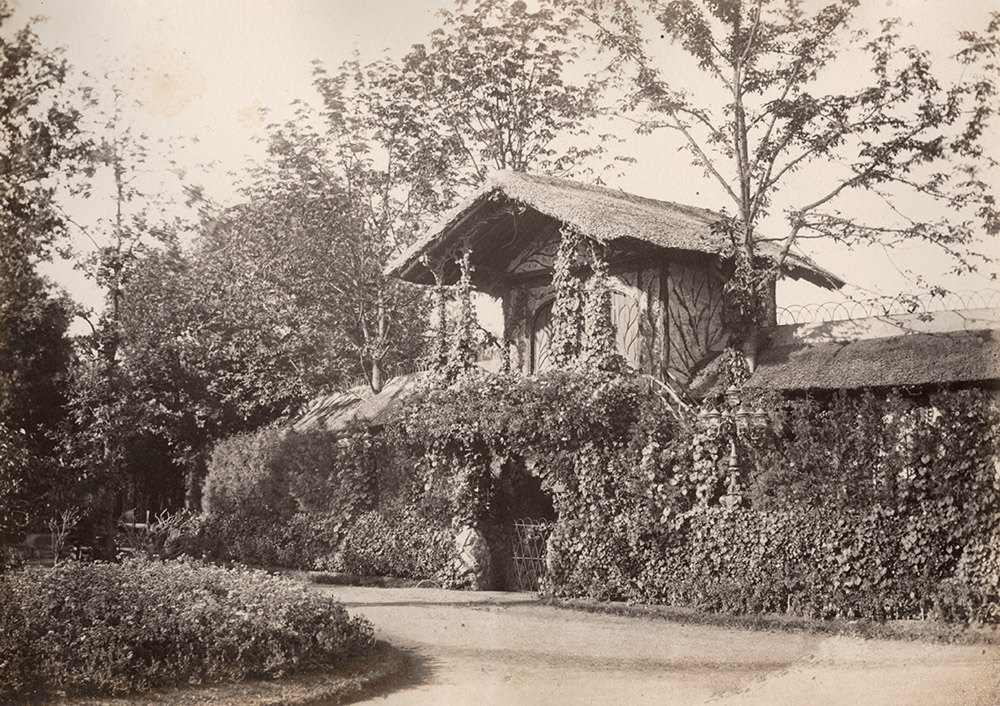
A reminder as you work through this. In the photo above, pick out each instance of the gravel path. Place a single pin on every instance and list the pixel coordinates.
(505, 648)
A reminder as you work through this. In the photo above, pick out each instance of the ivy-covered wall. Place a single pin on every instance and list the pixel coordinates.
(856, 506)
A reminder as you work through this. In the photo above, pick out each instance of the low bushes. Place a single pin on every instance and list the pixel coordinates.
(276, 498)
(398, 542)
(118, 628)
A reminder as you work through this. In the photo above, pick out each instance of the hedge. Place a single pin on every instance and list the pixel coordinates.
(864, 505)
(315, 501)
(397, 542)
(119, 628)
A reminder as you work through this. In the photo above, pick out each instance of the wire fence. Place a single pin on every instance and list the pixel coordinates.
(888, 306)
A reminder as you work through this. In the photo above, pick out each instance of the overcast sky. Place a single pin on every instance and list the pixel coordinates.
(212, 69)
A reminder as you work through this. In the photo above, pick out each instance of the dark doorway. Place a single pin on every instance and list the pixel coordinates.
(524, 517)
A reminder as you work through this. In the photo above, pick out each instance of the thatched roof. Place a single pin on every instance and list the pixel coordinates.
(358, 407)
(332, 412)
(493, 217)
(379, 409)
(918, 359)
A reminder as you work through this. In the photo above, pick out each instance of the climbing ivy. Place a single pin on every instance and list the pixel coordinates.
(598, 345)
(463, 355)
(439, 349)
(567, 308)
(854, 505)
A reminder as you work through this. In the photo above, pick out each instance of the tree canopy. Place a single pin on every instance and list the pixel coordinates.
(787, 94)
(501, 87)
(39, 140)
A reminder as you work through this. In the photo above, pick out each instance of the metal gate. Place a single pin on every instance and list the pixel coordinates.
(528, 552)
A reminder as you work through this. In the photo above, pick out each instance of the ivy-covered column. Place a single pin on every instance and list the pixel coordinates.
(463, 356)
(566, 310)
(506, 343)
(598, 334)
(439, 326)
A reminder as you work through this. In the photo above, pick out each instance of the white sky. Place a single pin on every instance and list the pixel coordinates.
(208, 68)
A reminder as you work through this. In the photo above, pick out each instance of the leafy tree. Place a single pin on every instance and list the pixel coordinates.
(35, 357)
(39, 140)
(236, 331)
(363, 146)
(106, 446)
(263, 325)
(768, 107)
(492, 88)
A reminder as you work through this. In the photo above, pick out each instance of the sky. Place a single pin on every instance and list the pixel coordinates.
(220, 70)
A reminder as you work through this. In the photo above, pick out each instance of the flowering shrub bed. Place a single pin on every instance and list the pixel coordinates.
(119, 628)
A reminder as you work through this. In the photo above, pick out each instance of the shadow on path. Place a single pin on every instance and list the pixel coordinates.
(413, 670)
(429, 604)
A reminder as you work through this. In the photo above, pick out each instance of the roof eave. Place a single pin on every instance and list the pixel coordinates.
(814, 275)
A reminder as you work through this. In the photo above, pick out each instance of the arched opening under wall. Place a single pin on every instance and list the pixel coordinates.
(523, 513)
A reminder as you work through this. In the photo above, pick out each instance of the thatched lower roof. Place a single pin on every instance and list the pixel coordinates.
(358, 407)
(379, 409)
(331, 412)
(918, 359)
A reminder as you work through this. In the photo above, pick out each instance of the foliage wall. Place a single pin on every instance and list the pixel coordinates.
(856, 505)
(853, 505)
(313, 500)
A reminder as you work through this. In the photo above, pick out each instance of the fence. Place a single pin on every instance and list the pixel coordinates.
(528, 552)
(888, 306)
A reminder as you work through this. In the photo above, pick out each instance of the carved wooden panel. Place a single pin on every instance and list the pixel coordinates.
(539, 254)
(541, 339)
(650, 321)
(625, 322)
(694, 317)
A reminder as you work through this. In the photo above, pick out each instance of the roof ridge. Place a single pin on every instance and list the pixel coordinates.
(499, 177)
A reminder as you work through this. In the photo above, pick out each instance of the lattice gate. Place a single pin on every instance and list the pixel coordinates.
(528, 552)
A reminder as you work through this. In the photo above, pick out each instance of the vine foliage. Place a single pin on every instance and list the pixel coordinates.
(567, 310)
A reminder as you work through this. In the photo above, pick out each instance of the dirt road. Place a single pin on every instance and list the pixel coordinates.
(505, 648)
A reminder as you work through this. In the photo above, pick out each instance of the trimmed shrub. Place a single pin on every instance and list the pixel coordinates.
(398, 542)
(275, 498)
(315, 501)
(119, 628)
